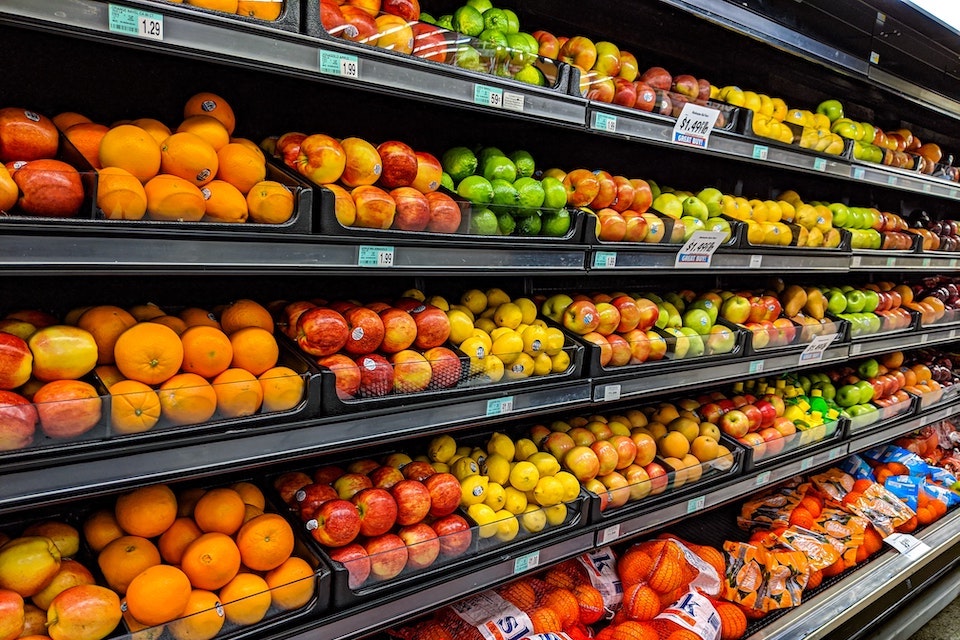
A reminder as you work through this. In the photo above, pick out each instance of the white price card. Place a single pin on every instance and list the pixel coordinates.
(907, 545)
(605, 260)
(372, 256)
(699, 249)
(513, 101)
(339, 64)
(134, 22)
(611, 392)
(755, 261)
(608, 535)
(694, 125)
(526, 563)
(604, 122)
(855, 261)
(814, 351)
(488, 96)
(855, 349)
(806, 463)
(499, 406)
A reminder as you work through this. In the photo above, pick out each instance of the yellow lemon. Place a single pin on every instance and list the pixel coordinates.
(542, 365)
(553, 343)
(475, 300)
(507, 346)
(463, 468)
(441, 448)
(557, 514)
(507, 526)
(496, 297)
(497, 468)
(548, 492)
(571, 486)
(524, 476)
(485, 517)
(466, 311)
(508, 315)
(525, 448)
(516, 500)
(487, 325)
(484, 336)
(533, 519)
(534, 340)
(522, 367)
(559, 363)
(461, 326)
(473, 490)
(439, 302)
(546, 463)
(496, 496)
(500, 443)
(528, 309)
(477, 351)
(493, 368)
(416, 294)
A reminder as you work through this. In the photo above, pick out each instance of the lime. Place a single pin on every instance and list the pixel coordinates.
(467, 21)
(480, 5)
(484, 222)
(530, 192)
(525, 164)
(446, 181)
(445, 22)
(466, 57)
(500, 167)
(554, 193)
(459, 162)
(533, 47)
(504, 195)
(493, 38)
(513, 22)
(426, 17)
(485, 154)
(555, 224)
(529, 74)
(507, 224)
(654, 189)
(476, 189)
(495, 19)
(529, 225)
(519, 48)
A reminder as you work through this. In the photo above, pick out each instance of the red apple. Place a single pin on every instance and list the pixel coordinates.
(321, 158)
(629, 313)
(583, 462)
(429, 171)
(704, 93)
(609, 318)
(549, 45)
(581, 317)
(429, 43)
(625, 194)
(628, 66)
(309, 497)
(413, 501)
(606, 351)
(418, 470)
(409, 10)
(11, 615)
(411, 371)
(26, 135)
(621, 352)
(375, 208)
(376, 375)
(289, 483)
(657, 78)
(355, 560)
(646, 448)
(582, 187)
(335, 524)
(399, 164)
(445, 214)
(385, 477)
(607, 455)
(400, 330)
(363, 165)
(735, 423)
(423, 545)
(579, 51)
(288, 147)
(378, 510)
(445, 366)
(433, 326)
(84, 610)
(19, 328)
(686, 85)
(322, 331)
(49, 188)
(16, 360)
(362, 26)
(607, 192)
(350, 484)
(711, 412)
(366, 330)
(18, 420)
(768, 413)
(646, 96)
(626, 450)
(388, 556)
(756, 442)
(785, 426)
(611, 226)
(333, 21)
(754, 416)
(454, 533)
(638, 480)
(625, 92)
(444, 491)
(659, 479)
(658, 346)
(649, 313)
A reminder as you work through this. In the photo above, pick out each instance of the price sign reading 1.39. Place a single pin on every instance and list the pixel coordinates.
(694, 125)
(699, 249)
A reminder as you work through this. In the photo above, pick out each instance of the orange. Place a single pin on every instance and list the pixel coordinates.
(265, 542)
(67, 119)
(144, 312)
(545, 620)
(590, 603)
(634, 566)
(194, 316)
(138, 630)
(211, 561)
(632, 630)
(800, 517)
(683, 634)
(251, 512)
(241, 166)
(207, 351)
(712, 556)
(131, 148)
(149, 352)
(176, 538)
(187, 500)
(124, 559)
(134, 407)
(564, 604)
(246, 599)
(9, 191)
(733, 622)
(224, 202)
(120, 195)
(210, 104)
(201, 618)
(188, 156)
(86, 137)
(520, 594)
(282, 388)
(666, 574)
(207, 128)
(186, 398)
(245, 313)
(109, 375)
(565, 575)
(173, 198)
(105, 323)
(269, 10)
(249, 144)
(175, 323)
(640, 602)
(146, 511)
(816, 577)
(238, 393)
(221, 510)
(811, 504)
(269, 202)
(155, 128)
(100, 529)
(254, 349)
(250, 494)
(159, 594)
(291, 584)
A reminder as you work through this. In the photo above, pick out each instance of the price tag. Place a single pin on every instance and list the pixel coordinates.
(499, 406)
(855, 261)
(892, 180)
(924, 338)
(858, 173)
(763, 478)
(527, 562)
(605, 260)
(760, 152)
(874, 57)
(806, 463)
(608, 535)
(339, 64)
(513, 101)
(371, 256)
(953, 333)
(892, 261)
(814, 351)
(696, 504)
(604, 121)
(907, 545)
(694, 125)
(698, 250)
(952, 193)
(855, 349)
(927, 188)
(819, 164)
(488, 96)
(953, 263)
(611, 392)
(134, 22)
(756, 261)
(833, 454)
(926, 262)
(756, 366)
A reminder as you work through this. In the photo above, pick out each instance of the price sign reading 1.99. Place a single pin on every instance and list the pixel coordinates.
(694, 125)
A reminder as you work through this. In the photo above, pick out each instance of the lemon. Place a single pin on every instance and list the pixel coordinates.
(533, 519)
(497, 468)
(496, 496)
(493, 368)
(441, 448)
(525, 448)
(485, 517)
(524, 476)
(485, 336)
(463, 309)
(464, 468)
(416, 294)
(571, 486)
(508, 346)
(508, 314)
(543, 365)
(461, 326)
(476, 350)
(498, 331)
(439, 302)
(501, 444)
(548, 492)
(463, 451)
(557, 514)
(475, 300)
(496, 297)
(521, 367)
(560, 362)
(507, 526)
(516, 501)
(546, 463)
(473, 490)
(553, 343)
(441, 467)
(534, 339)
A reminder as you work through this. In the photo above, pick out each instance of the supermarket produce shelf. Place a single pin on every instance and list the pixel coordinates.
(903, 341)
(877, 261)
(602, 260)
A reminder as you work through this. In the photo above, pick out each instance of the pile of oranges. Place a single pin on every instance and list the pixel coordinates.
(196, 172)
(197, 561)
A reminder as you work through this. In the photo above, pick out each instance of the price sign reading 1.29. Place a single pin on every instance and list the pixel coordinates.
(694, 125)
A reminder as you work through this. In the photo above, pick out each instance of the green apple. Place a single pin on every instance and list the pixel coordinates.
(869, 368)
(654, 189)
(833, 109)
(690, 226)
(707, 305)
(679, 341)
(836, 302)
(698, 320)
(711, 197)
(866, 391)
(554, 306)
(669, 205)
(855, 301)
(697, 347)
(841, 214)
(849, 395)
(872, 300)
(696, 208)
(735, 309)
(720, 340)
(719, 224)
(676, 300)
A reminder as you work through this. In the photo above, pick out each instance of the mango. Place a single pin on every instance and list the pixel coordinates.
(28, 563)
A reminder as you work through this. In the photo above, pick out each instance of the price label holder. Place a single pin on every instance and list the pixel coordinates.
(699, 249)
(488, 96)
(694, 125)
(952, 193)
(910, 547)
(762, 478)
(756, 261)
(135, 22)
(925, 338)
(756, 366)
(855, 261)
(611, 393)
(814, 351)
(953, 334)
(926, 262)
(605, 260)
(819, 164)
(892, 261)
(806, 463)
(855, 349)
(834, 453)
(760, 152)
(608, 535)
(953, 263)
(696, 504)
(858, 173)
(499, 406)
(892, 181)
(526, 562)
(604, 122)
(927, 188)
(343, 65)
(375, 256)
